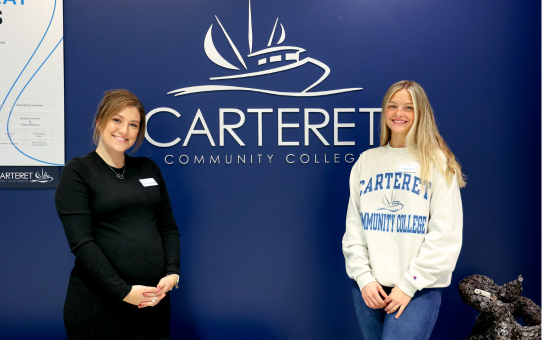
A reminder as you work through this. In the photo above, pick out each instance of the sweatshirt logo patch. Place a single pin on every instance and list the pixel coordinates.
(414, 277)
(392, 205)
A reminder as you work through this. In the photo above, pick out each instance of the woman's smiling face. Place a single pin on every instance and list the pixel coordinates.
(400, 114)
(121, 131)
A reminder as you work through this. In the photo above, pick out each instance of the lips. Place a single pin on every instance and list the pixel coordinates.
(399, 121)
(120, 139)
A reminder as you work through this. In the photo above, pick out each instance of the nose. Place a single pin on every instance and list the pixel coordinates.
(400, 112)
(123, 129)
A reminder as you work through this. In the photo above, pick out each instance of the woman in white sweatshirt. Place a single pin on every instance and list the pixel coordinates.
(404, 221)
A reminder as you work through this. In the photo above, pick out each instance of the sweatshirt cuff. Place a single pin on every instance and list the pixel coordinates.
(407, 287)
(124, 293)
(364, 279)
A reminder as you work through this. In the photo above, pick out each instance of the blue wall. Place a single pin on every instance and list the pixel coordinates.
(261, 242)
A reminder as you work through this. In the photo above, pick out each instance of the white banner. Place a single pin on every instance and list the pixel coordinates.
(31, 83)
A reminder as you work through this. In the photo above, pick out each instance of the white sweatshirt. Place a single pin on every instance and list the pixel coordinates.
(397, 232)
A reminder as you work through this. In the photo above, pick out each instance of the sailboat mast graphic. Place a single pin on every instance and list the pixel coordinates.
(249, 27)
(294, 56)
(272, 33)
(231, 43)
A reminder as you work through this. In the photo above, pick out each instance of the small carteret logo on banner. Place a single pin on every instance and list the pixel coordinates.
(42, 177)
(13, 177)
(266, 56)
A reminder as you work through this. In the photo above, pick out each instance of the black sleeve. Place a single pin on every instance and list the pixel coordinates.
(72, 200)
(168, 229)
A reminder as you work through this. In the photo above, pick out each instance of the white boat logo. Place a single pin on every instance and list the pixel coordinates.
(266, 56)
(42, 177)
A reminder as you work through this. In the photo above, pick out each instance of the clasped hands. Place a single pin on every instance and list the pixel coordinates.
(373, 294)
(143, 296)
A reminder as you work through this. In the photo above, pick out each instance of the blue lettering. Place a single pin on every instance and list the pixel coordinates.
(370, 220)
(395, 183)
(363, 220)
(415, 188)
(380, 222)
(369, 186)
(398, 224)
(408, 225)
(425, 218)
(379, 179)
(14, 2)
(361, 190)
(406, 181)
(415, 225)
(426, 188)
(392, 222)
(389, 176)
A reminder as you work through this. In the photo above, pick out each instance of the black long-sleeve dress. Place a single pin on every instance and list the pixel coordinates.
(122, 234)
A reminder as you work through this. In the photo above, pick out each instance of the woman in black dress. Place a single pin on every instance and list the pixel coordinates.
(118, 220)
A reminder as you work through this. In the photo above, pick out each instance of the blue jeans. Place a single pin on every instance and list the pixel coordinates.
(415, 323)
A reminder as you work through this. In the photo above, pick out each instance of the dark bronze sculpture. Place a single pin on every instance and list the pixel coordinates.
(499, 306)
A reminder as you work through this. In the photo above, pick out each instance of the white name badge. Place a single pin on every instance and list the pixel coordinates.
(148, 182)
(407, 167)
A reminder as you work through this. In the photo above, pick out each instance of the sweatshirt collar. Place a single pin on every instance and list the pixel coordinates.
(397, 151)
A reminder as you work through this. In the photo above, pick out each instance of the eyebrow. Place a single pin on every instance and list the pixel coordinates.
(408, 103)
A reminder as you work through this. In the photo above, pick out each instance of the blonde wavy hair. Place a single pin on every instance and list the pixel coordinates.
(430, 146)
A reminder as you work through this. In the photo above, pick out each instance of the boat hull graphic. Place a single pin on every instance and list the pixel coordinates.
(392, 209)
(212, 88)
(304, 93)
(284, 68)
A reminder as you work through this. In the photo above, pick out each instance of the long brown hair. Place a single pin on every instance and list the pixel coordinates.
(112, 103)
(431, 148)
